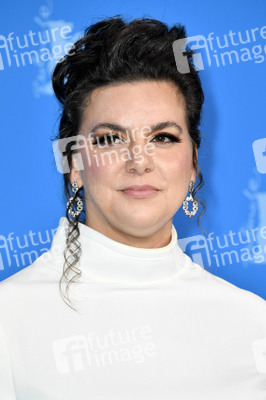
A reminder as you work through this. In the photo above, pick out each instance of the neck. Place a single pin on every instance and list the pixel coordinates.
(160, 238)
(104, 259)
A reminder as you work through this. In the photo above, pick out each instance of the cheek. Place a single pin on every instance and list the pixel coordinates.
(177, 167)
(98, 177)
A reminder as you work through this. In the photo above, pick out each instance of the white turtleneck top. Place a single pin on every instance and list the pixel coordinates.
(150, 325)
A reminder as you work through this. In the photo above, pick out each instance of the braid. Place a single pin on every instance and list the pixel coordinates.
(72, 253)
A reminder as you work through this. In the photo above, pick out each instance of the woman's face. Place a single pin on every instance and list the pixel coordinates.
(135, 157)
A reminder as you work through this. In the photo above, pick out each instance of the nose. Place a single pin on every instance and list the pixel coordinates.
(139, 159)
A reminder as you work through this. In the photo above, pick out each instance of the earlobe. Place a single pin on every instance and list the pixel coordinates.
(193, 176)
(75, 174)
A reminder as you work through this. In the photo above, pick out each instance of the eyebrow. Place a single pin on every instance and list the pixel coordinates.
(154, 127)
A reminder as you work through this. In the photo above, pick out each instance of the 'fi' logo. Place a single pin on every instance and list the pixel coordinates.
(198, 42)
(259, 150)
(4, 45)
(196, 247)
(77, 143)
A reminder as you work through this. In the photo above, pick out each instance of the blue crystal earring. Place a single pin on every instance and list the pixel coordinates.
(194, 202)
(79, 202)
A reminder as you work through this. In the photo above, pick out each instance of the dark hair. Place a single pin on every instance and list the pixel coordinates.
(113, 51)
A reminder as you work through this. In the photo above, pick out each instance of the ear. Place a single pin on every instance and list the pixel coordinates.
(75, 173)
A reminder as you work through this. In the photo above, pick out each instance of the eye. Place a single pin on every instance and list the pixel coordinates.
(166, 138)
(107, 140)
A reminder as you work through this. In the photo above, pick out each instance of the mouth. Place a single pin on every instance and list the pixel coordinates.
(140, 192)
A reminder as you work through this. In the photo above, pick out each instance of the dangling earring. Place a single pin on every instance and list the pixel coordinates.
(70, 202)
(190, 198)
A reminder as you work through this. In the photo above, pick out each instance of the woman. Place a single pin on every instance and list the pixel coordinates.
(139, 319)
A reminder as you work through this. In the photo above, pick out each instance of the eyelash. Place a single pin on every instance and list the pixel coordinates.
(101, 139)
(172, 138)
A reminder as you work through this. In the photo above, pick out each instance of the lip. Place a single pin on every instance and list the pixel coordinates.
(140, 192)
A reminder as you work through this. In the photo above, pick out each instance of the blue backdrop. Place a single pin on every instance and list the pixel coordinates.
(232, 48)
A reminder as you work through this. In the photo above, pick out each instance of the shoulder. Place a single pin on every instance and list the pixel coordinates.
(223, 293)
(41, 268)
(28, 282)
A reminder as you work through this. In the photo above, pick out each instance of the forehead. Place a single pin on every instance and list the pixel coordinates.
(135, 104)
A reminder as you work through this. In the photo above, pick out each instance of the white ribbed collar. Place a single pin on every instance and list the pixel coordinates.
(110, 260)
